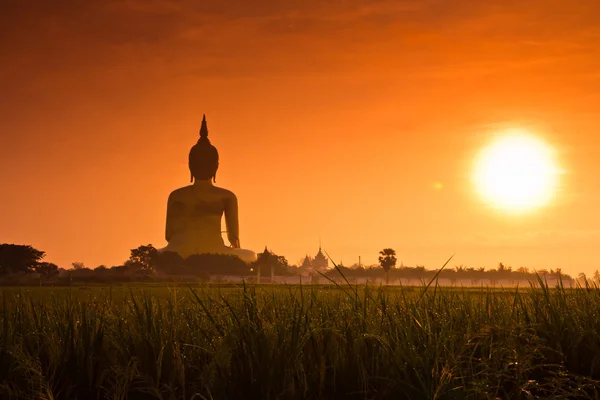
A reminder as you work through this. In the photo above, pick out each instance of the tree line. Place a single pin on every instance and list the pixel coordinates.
(146, 263)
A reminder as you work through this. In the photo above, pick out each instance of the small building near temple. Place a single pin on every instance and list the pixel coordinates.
(306, 267)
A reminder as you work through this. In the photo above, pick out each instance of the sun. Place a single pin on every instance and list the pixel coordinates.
(516, 172)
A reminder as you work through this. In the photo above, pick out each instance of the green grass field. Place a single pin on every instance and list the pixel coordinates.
(296, 342)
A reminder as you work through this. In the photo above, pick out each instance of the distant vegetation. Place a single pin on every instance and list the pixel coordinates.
(22, 264)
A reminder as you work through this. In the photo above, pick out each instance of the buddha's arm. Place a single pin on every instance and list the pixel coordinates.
(231, 221)
(174, 216)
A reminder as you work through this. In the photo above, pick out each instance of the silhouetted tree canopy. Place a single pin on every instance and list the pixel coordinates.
(168, 262)
(18, 258)
(201, 265)
(143, 258)
(77, 265)
(219, 264)
(387, 259)
(46, 269)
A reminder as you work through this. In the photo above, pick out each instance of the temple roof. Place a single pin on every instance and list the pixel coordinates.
(320, 262)
(266, 251)
(320, 255)
(306, 263)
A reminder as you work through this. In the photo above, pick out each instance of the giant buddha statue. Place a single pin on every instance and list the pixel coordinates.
(194, 212)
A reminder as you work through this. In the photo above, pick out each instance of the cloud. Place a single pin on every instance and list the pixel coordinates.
(405, 39)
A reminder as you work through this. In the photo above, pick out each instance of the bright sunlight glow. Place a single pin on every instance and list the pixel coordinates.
(516, 172)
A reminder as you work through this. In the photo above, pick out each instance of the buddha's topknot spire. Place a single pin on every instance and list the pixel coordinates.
(204, 157)
(203, 128)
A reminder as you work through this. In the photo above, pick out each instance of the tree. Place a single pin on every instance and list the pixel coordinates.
(77, 265)
(387, 260)
(282, 266)
(169, 262)
(18, 258)
(143, 257)
(46, 269)
(209, 264)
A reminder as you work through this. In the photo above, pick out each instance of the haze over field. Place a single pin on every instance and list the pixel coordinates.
(357, 122)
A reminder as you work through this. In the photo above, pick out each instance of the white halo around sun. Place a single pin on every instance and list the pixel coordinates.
(516, 172)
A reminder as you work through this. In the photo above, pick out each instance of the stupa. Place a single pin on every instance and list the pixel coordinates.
(194, 212)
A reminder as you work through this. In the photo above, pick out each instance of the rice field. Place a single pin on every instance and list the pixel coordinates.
(299, 342)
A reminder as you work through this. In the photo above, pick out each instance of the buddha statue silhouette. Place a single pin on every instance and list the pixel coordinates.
(194, 212)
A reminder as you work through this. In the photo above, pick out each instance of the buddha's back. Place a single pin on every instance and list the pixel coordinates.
(194, 219)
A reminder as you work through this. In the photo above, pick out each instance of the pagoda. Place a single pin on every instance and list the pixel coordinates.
(320, 262)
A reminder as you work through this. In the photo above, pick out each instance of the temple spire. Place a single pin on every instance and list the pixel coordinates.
(204, 127)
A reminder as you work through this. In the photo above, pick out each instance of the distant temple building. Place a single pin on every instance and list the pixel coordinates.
(320, 262)
(306, 266)
(310, 265)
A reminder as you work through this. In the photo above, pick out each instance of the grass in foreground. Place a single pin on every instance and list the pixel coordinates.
(297, 342)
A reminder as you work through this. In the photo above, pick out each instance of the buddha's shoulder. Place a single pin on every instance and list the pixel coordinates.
(188, 191)
(224, 192)
(181, 193)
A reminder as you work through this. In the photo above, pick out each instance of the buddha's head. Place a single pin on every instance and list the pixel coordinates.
(204, 157)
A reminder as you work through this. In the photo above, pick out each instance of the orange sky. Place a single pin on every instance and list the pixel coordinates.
(332, 119)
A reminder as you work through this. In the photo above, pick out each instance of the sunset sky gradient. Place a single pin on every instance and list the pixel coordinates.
(353, 121)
